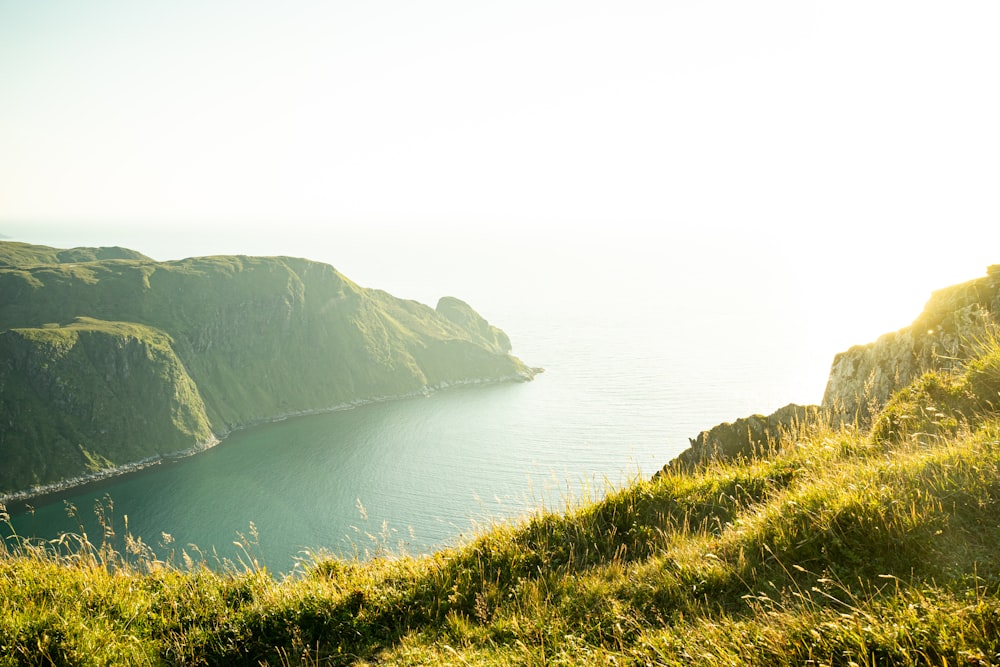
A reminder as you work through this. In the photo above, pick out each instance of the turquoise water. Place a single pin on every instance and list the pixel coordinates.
(639, 356)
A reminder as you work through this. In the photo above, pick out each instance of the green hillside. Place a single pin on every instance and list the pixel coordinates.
(66, 394)
(231, 340)
(15, 253)
(860, 543)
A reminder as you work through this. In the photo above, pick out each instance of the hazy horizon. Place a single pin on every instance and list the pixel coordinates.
(834, 162)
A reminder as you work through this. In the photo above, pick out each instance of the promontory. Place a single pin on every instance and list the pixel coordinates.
(110, 360)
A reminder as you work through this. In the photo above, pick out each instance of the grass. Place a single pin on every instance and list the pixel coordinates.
(116, 386)
(848, 544)
(837, 547)
(14, 253)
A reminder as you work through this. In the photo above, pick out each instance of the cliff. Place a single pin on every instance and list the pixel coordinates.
(949, 333)
(91, 395)
(111, 361)
(747, 436)
(944, 336)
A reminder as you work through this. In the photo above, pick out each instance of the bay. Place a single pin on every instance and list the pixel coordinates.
(639, 355)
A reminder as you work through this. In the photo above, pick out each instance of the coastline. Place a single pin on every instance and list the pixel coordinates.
(24, 495)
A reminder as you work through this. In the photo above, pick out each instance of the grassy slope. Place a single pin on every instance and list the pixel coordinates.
(62, 397)
(262, 336)
(14, 253)
(840, 546)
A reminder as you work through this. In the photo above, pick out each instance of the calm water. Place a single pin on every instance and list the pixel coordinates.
(639, 357)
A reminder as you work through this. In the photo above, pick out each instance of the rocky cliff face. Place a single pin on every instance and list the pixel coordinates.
(106, 362)
(746, 437)
(862, 378)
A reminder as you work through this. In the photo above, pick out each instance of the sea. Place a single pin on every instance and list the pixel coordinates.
(645, 340)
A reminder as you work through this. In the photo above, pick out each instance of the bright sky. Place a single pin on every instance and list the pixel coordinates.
(855, 145)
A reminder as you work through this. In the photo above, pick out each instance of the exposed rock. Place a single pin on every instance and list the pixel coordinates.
(864, 377)
(746, 437)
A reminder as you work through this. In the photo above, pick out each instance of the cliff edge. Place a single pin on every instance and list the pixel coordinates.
(943, 337)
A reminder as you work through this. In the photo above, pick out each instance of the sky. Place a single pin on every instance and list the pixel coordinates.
(850, 148)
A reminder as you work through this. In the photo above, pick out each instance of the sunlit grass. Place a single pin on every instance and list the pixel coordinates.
(837, 546)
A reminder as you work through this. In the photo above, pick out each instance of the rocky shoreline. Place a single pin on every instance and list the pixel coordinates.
(136, 466)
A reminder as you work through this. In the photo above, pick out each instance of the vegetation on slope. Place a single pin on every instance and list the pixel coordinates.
(14, 253)
(841, 545)
(86, 372)
(864, 377)
(246, 339)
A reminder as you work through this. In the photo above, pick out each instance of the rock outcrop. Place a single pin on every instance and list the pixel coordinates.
(746, 437)
(944, 336)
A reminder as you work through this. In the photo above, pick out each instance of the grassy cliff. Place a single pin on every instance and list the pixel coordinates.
(14, 253)
(852, 544)
(230, 341)
(65, 394)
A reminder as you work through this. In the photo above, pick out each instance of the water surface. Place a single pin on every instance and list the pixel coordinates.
(640, 355)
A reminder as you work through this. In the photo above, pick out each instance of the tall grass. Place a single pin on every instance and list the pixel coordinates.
(837, 546)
